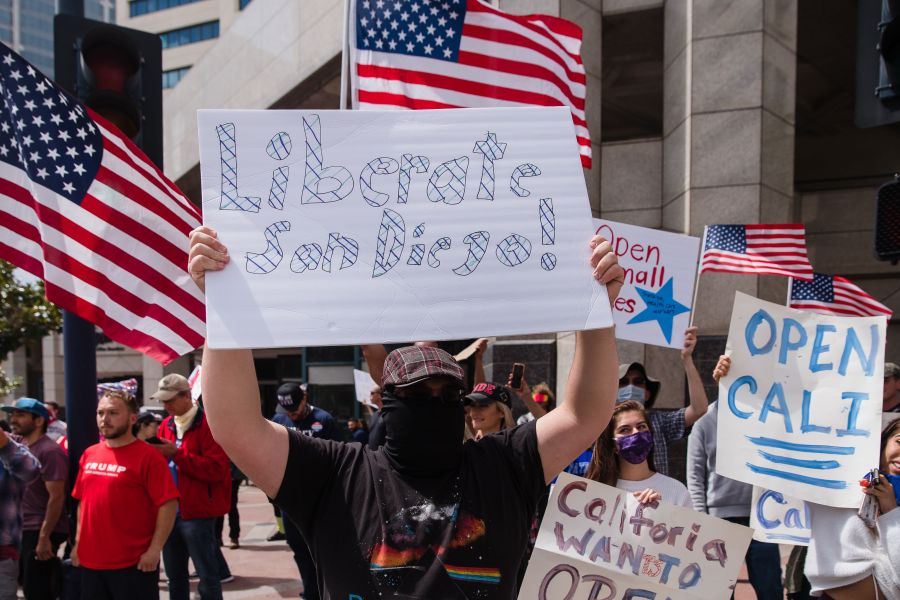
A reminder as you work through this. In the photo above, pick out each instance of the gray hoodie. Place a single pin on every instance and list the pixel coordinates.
(710, 492)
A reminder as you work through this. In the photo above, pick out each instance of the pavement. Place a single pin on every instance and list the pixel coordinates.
(262, 570)
(266, 570)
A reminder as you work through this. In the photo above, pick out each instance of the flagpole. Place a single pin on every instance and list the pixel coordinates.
(697, 279)
(345, 53)
(790, 289)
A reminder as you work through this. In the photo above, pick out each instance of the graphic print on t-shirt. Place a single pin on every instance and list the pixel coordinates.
(433, 543)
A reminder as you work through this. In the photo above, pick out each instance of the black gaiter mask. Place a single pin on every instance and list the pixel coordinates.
(424, 436)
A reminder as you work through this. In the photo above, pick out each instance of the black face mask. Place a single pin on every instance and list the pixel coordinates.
(424, 436)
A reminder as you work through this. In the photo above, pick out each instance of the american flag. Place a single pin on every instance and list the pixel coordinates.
(82, 208)
(834, 295)
(465, 54)
(765, 249)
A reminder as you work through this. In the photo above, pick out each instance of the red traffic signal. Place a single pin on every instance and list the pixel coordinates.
(115, 71)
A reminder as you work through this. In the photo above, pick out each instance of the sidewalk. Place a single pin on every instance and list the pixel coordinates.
(266, 570)
(262, 570)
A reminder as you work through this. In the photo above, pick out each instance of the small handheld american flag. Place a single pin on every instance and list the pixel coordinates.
(423, 54)
(834, 295)
(85, 210)
(765, 249)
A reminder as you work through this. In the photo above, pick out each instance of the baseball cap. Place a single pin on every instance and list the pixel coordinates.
(652, 384)
(148, 417)
(35, 407)
(170, 386)
(485, 393)
(290, 395)
(412, 364)
(891, 370)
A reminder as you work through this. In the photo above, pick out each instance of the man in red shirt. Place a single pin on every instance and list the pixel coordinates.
(127, 508)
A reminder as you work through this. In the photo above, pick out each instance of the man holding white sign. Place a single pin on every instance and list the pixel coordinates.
(422, 518)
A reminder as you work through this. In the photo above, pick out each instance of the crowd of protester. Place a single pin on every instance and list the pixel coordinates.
(442, 453)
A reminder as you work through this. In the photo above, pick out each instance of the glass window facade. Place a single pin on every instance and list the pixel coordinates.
(171, 77)
(137, 8)
(190, 35)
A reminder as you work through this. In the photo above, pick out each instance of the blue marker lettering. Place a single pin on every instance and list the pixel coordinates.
(753, 324)
(776, 393)
(855, 399)
(786, 344)
(760, 510)
(819, 348)
(689, 577)
(853, 343)
(670, 561)
(805, 425)
(732, 390)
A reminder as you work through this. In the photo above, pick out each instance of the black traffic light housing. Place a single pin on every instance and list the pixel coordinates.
(115, 71)
(878, 63)
(887, 222)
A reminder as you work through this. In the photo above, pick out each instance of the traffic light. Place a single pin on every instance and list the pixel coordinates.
(878, 63)
(887, 222)
(115, 71)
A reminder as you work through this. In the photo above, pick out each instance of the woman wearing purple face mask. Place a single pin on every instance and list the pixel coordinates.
(623, 457)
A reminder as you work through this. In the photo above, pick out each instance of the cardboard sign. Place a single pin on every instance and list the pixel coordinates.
(801, 405)
(349, 227)
(598, 542)
(654, 306)
(363, 383)
(779, 519)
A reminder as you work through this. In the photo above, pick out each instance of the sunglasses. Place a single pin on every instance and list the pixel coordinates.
(447, 393)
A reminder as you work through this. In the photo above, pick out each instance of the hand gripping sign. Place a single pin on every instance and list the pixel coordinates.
(598, 543)
(352, 227)
(801, 405)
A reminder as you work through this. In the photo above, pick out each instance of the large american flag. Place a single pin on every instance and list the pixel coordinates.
(834, 295)
(465, 54)
(765, 249)
(82, 208)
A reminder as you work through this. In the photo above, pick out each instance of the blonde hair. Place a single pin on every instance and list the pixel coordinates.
(506, 421)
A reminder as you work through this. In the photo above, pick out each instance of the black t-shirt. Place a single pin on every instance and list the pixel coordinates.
(376, 534)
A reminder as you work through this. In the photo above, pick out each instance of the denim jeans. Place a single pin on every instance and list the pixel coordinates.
(9, 573)
(303, 557)
(194, 539)
(763, 565)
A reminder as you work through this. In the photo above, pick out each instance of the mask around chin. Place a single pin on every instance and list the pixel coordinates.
(423, 436)
(630, 392)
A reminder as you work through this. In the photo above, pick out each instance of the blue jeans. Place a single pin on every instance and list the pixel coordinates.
(194, 539)
(763, 565)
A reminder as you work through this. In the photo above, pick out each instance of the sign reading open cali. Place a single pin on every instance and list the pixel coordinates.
(801, 405)
(599, 542)
(349, 227)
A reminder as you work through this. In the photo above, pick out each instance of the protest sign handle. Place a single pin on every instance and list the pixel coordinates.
(345, 54)
(697, 279)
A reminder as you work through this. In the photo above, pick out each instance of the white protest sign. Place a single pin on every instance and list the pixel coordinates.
(364, 384)
(654, 305)
(194, 382)
(779, 519)
(598, 542)
(801, 405)
(349, 227)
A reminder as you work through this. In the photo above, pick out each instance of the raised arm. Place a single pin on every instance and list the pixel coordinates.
(696, 392)
(566, 432)
(375, 355)
(231, 391)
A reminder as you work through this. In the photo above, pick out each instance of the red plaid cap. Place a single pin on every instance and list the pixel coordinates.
(412, 364)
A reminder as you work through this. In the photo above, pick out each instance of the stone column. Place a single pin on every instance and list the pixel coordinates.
(728, 147)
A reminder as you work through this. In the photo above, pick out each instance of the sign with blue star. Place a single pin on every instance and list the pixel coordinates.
(654, 305)
(661, 307)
